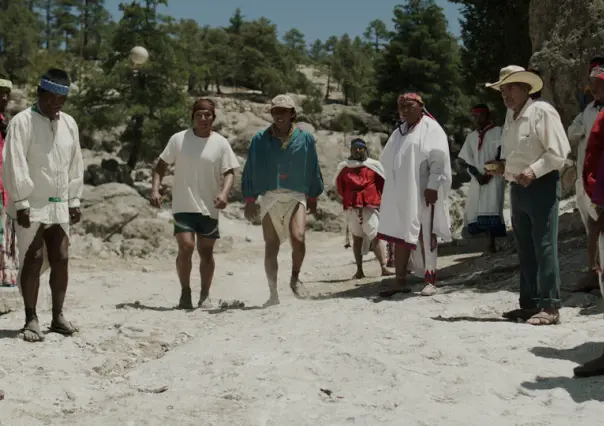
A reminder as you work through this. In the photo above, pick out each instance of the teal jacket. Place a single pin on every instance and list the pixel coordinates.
(269, 167)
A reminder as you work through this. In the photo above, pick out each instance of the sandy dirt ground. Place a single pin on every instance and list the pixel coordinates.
(342, 358)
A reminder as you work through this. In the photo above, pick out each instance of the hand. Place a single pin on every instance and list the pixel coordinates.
(484, 179)
(311, 206)
(220, 202)
(74, 215)
(431, 196)
(23, 218)
(526, 177)
(155, 199)
(497, 172)
(251, 211)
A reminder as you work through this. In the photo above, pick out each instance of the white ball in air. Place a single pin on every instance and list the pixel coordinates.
(139, 55)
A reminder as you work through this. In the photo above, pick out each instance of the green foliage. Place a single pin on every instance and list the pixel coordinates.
(186, 60)
(422, 57)
(495, 34)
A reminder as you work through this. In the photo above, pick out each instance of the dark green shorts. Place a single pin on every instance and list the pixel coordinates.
(205, 226)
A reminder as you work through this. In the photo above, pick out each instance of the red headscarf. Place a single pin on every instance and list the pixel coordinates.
(417, 98)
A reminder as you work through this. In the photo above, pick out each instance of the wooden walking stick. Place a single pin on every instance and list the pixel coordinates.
(347, 238)
(432, 236)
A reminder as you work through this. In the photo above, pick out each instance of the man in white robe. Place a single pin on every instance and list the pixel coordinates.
(414, 208)
(360, 183)
(578, 134)
(484, 206)
(44, 175)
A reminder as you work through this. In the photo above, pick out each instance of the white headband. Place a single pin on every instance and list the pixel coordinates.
(6, 83)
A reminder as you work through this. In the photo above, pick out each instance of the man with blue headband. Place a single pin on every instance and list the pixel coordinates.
(360, 182)
(44, 177)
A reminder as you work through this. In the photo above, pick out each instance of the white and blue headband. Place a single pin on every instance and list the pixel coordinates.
(56, 88)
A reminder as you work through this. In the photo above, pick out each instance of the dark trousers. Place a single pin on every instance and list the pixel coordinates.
(535, 226)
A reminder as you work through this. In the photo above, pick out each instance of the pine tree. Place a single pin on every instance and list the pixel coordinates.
(420, 57)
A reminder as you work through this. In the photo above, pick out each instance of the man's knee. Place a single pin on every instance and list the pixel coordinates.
(271, 246)
(186, 248)
(298, 238)
(58, 257)
(206, 253)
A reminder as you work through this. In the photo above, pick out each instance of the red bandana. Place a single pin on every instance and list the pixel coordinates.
(482, 133)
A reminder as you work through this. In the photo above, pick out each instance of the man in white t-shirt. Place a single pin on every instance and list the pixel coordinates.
(202, 159)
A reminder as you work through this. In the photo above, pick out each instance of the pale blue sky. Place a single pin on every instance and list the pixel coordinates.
(317, 19)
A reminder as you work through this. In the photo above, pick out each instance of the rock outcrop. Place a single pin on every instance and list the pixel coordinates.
(565, 35)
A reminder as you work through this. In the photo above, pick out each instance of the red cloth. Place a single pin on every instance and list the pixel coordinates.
(2, 191)
(360, 187)
(593, 154)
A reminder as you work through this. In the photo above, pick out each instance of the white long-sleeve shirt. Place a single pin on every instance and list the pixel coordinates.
(535, 139)
(579, 131)
(43, 169)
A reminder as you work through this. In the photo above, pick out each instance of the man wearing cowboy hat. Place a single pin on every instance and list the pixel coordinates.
(282, 172)
(534, 149)
(578, 133)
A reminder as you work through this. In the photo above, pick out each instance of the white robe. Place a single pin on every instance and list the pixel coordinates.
(370, 215)
(483, 200)
(43, 171)
(579, 130)
(413, 162)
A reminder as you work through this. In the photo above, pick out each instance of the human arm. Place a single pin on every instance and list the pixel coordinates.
(554, 142)
(228, 164)
(167, 157)
(76, 177)
(15, 169)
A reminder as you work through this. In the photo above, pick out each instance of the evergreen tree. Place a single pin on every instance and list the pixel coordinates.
(495, 34)
(420, 57)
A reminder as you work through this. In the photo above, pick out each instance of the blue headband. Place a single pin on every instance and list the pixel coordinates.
(358, 142)
(53, 87)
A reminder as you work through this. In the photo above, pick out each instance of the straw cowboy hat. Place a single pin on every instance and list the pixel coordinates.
(516, 74)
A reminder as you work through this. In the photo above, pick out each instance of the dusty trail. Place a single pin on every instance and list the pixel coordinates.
(446, 360)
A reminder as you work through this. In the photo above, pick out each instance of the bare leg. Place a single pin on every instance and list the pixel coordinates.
(297, 229)
(186, 247)
(57, 245)
(30, 285)
(379, 250)
(589, 281)
(402, 253)
(357, 250)
(271, 263)
(491, 245)
(205, 248)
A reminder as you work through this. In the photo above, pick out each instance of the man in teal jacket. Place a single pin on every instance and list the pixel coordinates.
(282, 180)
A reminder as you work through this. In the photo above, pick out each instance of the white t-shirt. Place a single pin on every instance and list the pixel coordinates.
(199, 166)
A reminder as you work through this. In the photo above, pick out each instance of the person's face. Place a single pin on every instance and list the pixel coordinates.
(596, 87)
(51, 103)
(4, 98)
(514, 95)
(203, 119)
(282, 116)
(358, 153)
(409, 111)
(480, 119)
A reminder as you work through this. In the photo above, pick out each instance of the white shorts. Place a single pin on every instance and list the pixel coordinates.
(363, 222)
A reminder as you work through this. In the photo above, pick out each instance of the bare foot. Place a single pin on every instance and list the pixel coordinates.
(62, 326)
(587, 283)
(359, 275)
(204, 301)
(545, 317)
(400, 286)
(185, 301)
(32, 332)
(387, 272)
(298, 288)
(272, 301)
